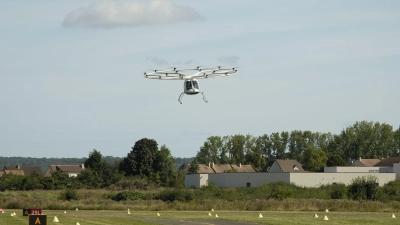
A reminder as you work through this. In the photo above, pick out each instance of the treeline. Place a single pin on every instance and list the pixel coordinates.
(44, 162)
(145, 165)
(314, 149)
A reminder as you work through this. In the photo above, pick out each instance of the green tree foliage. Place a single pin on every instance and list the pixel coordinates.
(44, 163)
(368, 140)
(314, 159)
(335, 160)
(165, 167)
(180, 177)
(211, 151)
(142, 159)
(99, 172)
(90, 179)
(338, 191)
(363, 139)
(363, 188)
(194, 167)
(146, 161)
(256, 160)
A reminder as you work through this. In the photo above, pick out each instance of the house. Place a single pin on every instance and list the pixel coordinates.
(365, 162)
(389, 161)
(223, 168)
(22, 170)
(203, 168)
(71, 170)
(292, 172)
(286, 166)
(243, 168)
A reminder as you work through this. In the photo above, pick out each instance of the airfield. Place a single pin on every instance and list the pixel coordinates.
(113, 217)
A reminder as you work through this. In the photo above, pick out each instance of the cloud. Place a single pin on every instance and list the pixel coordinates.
(231, 60)
(116, 13)
(187, 62)
(156, 60)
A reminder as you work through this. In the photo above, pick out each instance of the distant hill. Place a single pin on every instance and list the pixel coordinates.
(44, 163)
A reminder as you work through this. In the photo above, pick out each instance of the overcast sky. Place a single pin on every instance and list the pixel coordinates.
(71, 72)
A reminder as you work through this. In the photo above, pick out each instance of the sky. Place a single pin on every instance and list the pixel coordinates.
(71, 72)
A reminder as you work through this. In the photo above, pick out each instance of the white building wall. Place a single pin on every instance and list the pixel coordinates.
(396, 169)
(354, 169)
(226, 180)
(195, 180)
(318, 179)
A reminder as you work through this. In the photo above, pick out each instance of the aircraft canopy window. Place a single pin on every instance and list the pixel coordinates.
(188, 84)
(195, 84)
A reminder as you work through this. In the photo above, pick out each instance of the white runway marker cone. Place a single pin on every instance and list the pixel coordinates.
(260, 216)
(316, 215)
(12, 214)
(326, 210)
(65, 211)
(76, 209)
(393, 216)
(326, 218)
(158, 214)
(55, 219)
(216, 215)
(129, 212)
(209, 214)
(77, 223)
(212, 209)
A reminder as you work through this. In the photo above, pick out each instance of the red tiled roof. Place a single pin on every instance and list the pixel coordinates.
(369, 162)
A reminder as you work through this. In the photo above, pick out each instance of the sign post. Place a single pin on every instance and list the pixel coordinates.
(25, 212)
(37, 219)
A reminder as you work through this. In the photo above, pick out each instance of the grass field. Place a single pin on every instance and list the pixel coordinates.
(112, 217)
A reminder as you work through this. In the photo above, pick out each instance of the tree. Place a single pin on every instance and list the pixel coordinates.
(107, 173)
(90, 179)
(95, 161)
(193, 167)
(314, 159)
(368, 140)
(264, 147)
(141, 160)
(237, 151)
(335, 160)
(256, 160)
(165, 166)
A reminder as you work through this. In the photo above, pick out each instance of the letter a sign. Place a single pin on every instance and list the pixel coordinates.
(37, 219)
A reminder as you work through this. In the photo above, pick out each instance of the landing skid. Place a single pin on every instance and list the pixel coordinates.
(183, 93)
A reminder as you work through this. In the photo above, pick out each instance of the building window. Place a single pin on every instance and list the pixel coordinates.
(295, 167)
(248, 184)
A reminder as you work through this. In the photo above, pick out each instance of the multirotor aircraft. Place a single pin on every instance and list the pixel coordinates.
(190, 84)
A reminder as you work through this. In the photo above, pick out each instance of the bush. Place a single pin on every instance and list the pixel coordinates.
(338, 191)
(363, 188)
(69, 194)
(128, 195)
(283, 190)
(182, 195)
(390, 192)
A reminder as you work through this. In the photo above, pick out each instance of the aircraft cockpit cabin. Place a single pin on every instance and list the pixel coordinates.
(191, 87)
